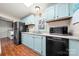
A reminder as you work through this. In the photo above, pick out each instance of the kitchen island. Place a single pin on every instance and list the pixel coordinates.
(37, 42)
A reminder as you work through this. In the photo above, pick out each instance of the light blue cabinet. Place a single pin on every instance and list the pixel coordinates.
(37, 44)
(61, 10)
(43, 46)
(71, 10)
(27, 40)
(30, 19)
(49, 13)
(73, 7)
(56, 11)
(74, 47)
(30, 41)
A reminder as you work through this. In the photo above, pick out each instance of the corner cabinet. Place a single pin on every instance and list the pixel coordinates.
(35, 42)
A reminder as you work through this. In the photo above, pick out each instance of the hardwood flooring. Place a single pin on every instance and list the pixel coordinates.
(10, 49)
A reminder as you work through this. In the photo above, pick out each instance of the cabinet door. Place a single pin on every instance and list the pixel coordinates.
(49, 13)
(43, 45)
(25, 20)
(73, 7)
(61, 10)
(73, 47)
(25, 39)
(37, 44)
(30, 41)
(30, 19)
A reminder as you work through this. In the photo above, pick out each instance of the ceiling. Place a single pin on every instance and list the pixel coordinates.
(20, 10)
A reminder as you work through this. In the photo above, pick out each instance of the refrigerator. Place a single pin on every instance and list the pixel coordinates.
(18, 28)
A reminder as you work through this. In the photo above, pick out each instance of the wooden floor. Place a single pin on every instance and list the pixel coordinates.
(10, 49)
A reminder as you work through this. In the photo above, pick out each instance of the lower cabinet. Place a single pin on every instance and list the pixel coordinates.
(35, 42)
(73, 47)
(38, 44)
(27, 40)
(30, 41)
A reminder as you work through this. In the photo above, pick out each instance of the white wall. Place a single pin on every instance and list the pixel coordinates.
(4, 28)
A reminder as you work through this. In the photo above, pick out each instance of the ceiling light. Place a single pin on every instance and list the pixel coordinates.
(37, 8)
(38, 11)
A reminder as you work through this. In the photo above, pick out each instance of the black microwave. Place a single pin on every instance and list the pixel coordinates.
(60, 30)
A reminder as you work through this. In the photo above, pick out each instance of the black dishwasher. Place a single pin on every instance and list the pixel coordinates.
(57, 46)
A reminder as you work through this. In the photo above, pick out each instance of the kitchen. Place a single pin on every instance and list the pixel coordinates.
(47, 29)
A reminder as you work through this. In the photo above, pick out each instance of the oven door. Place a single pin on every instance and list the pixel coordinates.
(56, 47)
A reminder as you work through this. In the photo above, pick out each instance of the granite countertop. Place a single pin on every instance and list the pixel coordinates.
(53, 35)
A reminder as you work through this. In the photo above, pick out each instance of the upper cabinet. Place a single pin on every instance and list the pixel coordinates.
(61, 10)
(57, 11)
(49, 13)
(54, 12)
(29, 20)
(73, 7)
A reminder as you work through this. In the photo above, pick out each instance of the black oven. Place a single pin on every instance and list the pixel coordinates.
(56, 46)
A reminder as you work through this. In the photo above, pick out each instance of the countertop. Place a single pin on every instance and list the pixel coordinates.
(53, 35)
